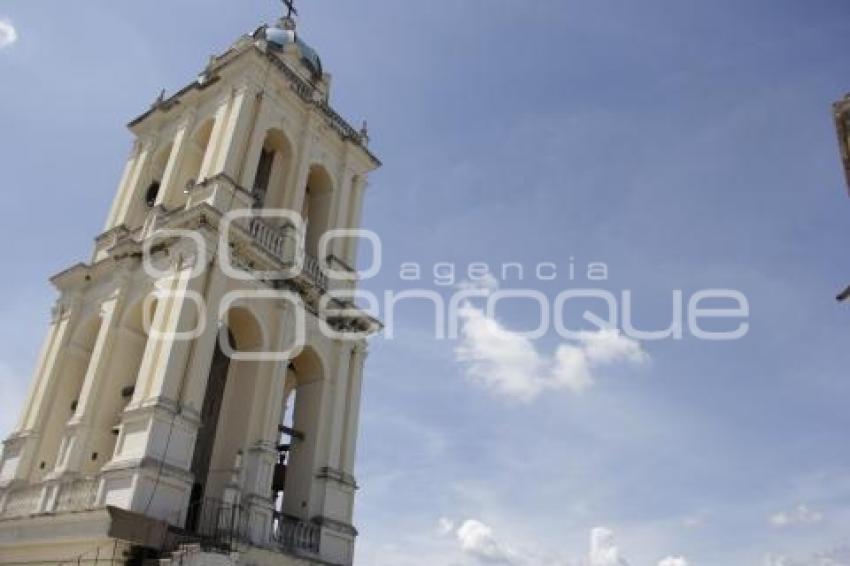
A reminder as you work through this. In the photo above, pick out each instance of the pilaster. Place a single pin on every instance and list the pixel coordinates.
(126, 175)
(242, 120)
(297, 180)
(21, 448)
(169, 186)
(355, 206)
(217, 143)
(75, 446)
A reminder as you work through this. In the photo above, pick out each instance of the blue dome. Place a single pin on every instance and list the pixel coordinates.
(280, 37)
(310, 57)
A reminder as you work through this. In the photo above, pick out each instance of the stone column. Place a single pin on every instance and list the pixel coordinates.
(218, 143)
(241, 124)
(355, 211)
(352, 408)
(179, 311)
(131, 187)
(338, 213)
(300, 170)
(261, 450)
(22, 446)
(129, 171)
(150, 470)
(335, 483)
(74, 451)
(170, 187)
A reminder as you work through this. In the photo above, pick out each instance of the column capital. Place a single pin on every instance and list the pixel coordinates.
(360, 349)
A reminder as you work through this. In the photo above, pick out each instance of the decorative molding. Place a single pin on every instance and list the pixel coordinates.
(334, 525)
(338, 476)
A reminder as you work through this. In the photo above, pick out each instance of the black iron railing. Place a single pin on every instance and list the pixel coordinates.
(213, 525)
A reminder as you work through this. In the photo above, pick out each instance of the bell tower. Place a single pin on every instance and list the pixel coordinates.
(198, 389)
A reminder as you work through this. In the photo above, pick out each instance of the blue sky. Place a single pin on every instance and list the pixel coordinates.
(687, 146)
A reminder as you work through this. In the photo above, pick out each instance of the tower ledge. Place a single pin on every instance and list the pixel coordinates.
(310, 88)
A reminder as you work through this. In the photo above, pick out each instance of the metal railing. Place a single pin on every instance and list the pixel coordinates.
(213, 524)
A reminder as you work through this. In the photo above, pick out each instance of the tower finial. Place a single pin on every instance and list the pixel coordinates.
(290, 8)
(288, 21)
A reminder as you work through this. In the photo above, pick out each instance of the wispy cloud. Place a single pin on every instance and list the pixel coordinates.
(8, 33)
(835, 557)
(801, 515)
(510, 364)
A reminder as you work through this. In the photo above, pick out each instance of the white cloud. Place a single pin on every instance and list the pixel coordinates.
(497, 358)
(603, 549)
(509, 364)
(801, 515)
(611, 346)
(479, 544)
(8, 33)
(477, 540)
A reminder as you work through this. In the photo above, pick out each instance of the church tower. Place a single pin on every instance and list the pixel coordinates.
(197, 395)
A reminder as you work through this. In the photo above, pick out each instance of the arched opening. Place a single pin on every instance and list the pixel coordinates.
(299, 431)
(193, 161)
(150, 188)
(224, 418)
(67, 394)
(127, 355)
(269, 184)
(316, 209)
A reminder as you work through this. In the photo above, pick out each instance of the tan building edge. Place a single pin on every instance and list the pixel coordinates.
(163, 424)
(841, 111)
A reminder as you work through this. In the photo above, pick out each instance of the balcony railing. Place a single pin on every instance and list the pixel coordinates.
(74, 495)
(273, 240)
(295, 535)
(269, 238)
(22, 501)
(313, 270)
(77, 495)
(214, 525)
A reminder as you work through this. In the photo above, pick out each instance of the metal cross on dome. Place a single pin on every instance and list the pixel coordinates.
(290, 7)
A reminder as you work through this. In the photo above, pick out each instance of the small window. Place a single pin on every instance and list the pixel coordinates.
(151, 194)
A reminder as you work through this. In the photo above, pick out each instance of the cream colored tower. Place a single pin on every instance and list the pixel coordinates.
(198, 393)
